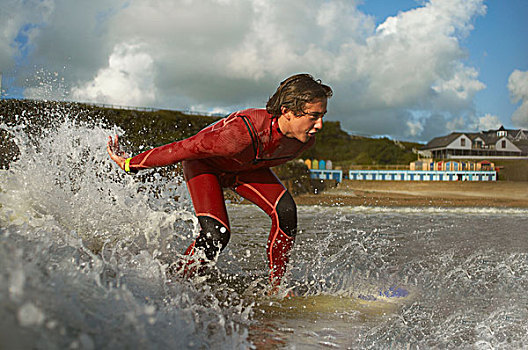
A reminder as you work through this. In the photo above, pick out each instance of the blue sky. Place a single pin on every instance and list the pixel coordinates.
(408, 69)
(496, 47)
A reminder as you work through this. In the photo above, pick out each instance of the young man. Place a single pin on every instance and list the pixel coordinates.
(237, 152)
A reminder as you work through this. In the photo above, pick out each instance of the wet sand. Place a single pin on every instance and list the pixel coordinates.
(502, 194)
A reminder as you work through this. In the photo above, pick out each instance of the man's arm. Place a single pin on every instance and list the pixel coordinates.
(227, 140)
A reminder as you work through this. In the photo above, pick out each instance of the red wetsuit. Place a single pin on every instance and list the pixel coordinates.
(235, 152)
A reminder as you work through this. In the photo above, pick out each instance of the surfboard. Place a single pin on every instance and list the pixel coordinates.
(373, 304)
(254, 289)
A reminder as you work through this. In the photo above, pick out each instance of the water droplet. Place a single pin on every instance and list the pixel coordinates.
(30, 315)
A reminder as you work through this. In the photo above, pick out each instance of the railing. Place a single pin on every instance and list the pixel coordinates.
(152, 109)
(379, 167)
(133, 108)
(112, 106)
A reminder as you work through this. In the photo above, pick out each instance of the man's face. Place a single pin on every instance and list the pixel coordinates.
(304, 126)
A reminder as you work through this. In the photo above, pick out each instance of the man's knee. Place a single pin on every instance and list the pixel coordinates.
(213, 237)
(287, 214)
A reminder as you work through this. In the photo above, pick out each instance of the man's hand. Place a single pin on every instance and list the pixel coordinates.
(115, 153)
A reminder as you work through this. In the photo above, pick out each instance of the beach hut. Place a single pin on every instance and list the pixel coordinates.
(329, 165)
(426, 165)
(315, 164)
(422, 165)
(416, 165)
(485, 165)
(452, 166)
(308, 163)
(322, 165)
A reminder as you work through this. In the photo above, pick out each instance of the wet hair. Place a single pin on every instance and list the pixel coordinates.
(294, 92)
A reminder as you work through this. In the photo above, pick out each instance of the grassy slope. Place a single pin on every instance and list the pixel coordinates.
(155, 128)
(149, 129)
(343, 149)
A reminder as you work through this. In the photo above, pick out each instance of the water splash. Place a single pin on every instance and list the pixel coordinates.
(84, 251)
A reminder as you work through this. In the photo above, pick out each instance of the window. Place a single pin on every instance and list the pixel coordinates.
(503, 144)
(463, 142)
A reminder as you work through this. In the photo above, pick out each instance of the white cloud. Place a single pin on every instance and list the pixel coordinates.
(279, 43)
(456, 124)
(518, 86)
(413, 61)
(463, 84)
(128, 80)
(19, 26)
(415, 127)
(232, 54)
(487, 122)
(418, 50)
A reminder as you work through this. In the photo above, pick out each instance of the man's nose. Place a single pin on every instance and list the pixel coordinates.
(318, 124)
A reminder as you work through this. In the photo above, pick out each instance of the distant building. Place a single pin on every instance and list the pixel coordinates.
(451, 165)
(322, 170)
(421, 175)
(501, 143)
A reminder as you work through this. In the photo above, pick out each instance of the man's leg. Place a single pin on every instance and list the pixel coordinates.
(208, 201)
(264, 189)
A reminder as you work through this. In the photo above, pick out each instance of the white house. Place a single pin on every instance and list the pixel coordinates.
(501, 143)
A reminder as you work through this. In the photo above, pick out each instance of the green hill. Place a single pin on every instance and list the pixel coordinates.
(144, 129)
(347, 150)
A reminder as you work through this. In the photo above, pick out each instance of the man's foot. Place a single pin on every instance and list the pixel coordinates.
(275, 291)
(188, 267)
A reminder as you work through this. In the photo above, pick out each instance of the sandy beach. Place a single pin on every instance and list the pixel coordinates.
(505, 194)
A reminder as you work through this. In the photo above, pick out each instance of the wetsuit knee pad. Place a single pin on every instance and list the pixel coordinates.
(287, 212)
(213, 237)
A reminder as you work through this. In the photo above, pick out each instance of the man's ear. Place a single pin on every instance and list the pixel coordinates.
(286, 112)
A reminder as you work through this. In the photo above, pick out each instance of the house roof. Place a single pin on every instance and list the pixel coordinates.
(522, 145)
(489, 138)
(518, 134)
(518, 137)
(442, 141)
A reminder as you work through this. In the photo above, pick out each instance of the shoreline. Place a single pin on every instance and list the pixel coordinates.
(497, 194)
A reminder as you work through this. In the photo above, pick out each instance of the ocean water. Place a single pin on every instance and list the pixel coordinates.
(86, 251)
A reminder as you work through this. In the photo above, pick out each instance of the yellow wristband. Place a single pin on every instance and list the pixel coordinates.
(127, 165)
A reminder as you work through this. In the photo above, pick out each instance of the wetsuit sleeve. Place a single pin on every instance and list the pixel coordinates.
(228, 139)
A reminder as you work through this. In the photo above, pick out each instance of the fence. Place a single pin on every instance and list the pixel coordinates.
(152, 109)
(131, 108)
(403, 175)
(326, 174)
